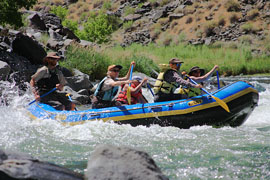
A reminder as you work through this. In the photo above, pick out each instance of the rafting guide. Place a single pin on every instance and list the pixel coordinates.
(47, 80)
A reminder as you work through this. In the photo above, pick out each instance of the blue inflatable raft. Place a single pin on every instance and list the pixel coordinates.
(241, 98)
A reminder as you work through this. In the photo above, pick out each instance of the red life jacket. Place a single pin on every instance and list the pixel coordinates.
(122, 97)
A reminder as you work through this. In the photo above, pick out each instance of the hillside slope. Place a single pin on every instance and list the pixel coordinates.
(174, 21)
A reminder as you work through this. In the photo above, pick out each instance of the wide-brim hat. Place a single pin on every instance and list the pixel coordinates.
(52, 55)
(112, 67)
(137, 78)
(195, 68)
(175, 61)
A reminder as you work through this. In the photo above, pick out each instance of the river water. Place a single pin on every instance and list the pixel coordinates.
(200, 152)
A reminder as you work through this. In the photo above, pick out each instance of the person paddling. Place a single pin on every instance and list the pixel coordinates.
(136, 91)
(169, 80)
(197, 74)
(48, 77)
(108, 87)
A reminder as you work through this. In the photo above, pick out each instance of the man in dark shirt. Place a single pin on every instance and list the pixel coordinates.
(169, 80)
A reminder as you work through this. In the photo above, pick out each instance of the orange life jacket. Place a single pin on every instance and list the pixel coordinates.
(122, 97)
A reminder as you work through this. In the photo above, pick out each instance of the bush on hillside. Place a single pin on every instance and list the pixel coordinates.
(232, 6)
(59, 11)
(97, 29)
(87, 61)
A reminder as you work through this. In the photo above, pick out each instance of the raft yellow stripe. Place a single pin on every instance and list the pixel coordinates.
(169, 113)
(153, 114)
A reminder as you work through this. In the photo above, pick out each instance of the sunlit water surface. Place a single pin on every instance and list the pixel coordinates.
(200, 152)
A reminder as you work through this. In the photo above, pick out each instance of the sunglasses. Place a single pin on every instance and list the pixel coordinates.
(53, 59)
(116, 70)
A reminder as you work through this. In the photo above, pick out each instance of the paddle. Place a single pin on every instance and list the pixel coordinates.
(218, 80)
(128, 90)
(43, 95)
(149, 87)
(219, 101)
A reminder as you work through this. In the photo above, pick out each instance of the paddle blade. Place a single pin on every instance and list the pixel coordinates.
(128, 95)
(221, 103)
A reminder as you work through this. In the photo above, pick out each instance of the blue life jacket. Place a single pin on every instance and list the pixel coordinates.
(105, 95)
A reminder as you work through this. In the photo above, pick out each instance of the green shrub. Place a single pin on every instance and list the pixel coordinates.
(59, 11)
(129, 10)
(72, 25)
(97, 29)
(87, 61)
(127, 25)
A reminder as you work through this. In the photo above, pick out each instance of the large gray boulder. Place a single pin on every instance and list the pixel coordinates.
(21, 166)
(28, 48)
(121, 163)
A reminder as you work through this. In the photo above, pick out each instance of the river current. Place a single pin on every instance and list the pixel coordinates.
(201, 152)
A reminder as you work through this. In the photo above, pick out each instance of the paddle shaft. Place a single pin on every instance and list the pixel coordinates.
(43, 95)
(131, 71)
(218, 80)
(148, 85)
(128, 90)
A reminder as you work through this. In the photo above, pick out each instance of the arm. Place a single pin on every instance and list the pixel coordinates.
(62, 80)
(34, 89)
(129, 71)
(206, 76)
(119, 83)
(175, 77)
(135, 90)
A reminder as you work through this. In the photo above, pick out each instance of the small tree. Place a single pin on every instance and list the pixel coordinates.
(9, 13)
(97, 29)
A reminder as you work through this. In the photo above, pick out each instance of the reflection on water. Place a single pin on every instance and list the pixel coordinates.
(200, 152)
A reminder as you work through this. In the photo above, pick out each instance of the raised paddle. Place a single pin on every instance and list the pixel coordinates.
(128, 90)
(218, 80)
(219, 101)
(149, 87)
(43, 95)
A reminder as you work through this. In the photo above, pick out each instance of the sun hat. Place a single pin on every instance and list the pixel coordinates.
(195, 68)
(175, 61)
(112, 67)
(53, 55)
(137, 78)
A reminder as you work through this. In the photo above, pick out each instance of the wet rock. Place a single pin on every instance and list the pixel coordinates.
(111, 162)
(4, 70)
(21, 166)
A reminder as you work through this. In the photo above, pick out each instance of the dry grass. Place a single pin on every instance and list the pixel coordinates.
(58, 2)
(232, 6)
(253, 14)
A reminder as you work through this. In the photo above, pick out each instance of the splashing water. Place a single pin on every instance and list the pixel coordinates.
(201, 152)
